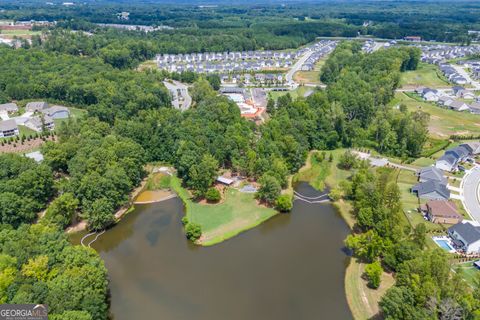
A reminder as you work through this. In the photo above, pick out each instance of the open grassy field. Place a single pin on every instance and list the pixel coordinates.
(313, 76)
(427, 75)
(238, 212)
(324, 173)
(443, 122)
(468, 271)
(362, 300)
(297, 93)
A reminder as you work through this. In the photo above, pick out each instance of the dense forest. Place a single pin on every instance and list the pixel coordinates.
(231, 27)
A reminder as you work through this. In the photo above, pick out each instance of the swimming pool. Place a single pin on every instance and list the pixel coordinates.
(442, 243)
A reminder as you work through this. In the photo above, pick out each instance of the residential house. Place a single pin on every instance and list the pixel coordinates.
(458, 105)
(466, 236)
(442, 211)
(431, 190)
(457, 90)
(38, 123)
(430, 94)
(8, 128)
(36, 106)
(8, 107)
(472, 147)
(445, 101)
(475, 107)
(452, 157)
(447, 162)
(431, 173)
(57, 112)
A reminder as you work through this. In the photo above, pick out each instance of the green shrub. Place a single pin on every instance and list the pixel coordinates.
(284, 203)
(373, 272)
(193, 231)
(213, 195)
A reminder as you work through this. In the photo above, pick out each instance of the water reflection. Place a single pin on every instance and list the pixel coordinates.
(290, 267)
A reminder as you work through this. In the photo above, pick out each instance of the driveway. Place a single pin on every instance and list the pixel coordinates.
(470, 187)
(465, 74)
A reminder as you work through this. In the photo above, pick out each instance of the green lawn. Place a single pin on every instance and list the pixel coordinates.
(410, 202)
(468, 271)
(20, 32)
(427, 75)
(443, 122)
(325, 173)
(299, 92)
(238, 212)
(26, 131)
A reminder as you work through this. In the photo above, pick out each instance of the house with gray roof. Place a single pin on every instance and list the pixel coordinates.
(8, 128)
(431, 173)
(8, 107)
(57, 112)
(466, 236)
(36, 106)
(472, 147)
(447, 162)
(445, 101)
(39, 123)
(432, 190)
(458, 105)
(452, 157)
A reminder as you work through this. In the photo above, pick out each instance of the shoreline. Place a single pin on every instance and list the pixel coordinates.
(362, 301)
(122, 211)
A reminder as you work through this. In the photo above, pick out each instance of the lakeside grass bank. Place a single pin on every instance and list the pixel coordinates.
(237, 212)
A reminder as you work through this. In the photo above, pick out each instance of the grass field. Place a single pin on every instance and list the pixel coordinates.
(313, 76)
(427, 75)
(238, 212)
(468, 271)
(297, 93)
(325, 173)
(19, 32)
(443, 123)
(362, 300)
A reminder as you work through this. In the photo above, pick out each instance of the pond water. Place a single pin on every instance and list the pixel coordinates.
(290, 267)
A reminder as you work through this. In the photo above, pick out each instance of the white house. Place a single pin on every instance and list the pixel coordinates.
(8, 128)
(430, 96)
(466, 236)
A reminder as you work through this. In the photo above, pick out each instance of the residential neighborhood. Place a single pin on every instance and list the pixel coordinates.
(236, 67)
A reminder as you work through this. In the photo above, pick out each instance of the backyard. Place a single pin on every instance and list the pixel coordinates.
(468, 272)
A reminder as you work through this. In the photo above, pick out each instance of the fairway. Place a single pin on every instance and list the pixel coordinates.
(426, 75)
(443, 122)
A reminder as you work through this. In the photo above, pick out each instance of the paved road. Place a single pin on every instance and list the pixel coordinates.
(470, 186)
(296, 67)
(181, 90)
(465, 74)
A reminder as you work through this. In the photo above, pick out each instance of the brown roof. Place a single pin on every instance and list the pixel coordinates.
(442, 208)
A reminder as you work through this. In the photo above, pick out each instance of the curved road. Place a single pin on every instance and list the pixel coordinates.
(470, 186)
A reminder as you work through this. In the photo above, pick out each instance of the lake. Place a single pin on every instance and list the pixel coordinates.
(290, 267)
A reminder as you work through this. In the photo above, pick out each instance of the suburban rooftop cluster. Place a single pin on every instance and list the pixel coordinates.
(245, 61)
